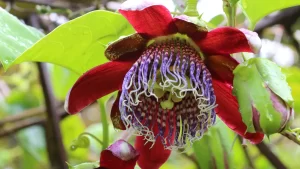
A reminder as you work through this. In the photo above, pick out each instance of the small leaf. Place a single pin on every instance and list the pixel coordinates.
(62, 80)
(217, 20)
(80, 43)
(15, 37)
(257, 9)
(89, 165)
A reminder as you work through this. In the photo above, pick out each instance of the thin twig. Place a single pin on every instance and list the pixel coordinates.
(247, 155)
(34, 112)
(274, 160)
(10, 127)
(56, 151)
(291, 136)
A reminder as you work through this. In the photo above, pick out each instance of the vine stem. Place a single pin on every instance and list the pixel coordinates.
(292, 136)
(104, 124)
(230, 11)
(91, 135)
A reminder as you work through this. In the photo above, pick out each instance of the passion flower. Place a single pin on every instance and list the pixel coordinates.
(173, 78)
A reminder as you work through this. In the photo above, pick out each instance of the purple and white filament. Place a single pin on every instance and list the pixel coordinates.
(167, 94)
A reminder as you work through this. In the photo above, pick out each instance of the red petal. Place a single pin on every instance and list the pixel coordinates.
(115, 114)
(95, 83)
(109, 161)
(148, 19)
(119, 155)
(224, 40)
(221, 67)
(229, 113)
(151, 157)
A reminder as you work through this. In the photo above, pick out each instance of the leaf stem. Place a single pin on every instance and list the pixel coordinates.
(294, 136)
(230, 11)
(191, 8)
(104, 121)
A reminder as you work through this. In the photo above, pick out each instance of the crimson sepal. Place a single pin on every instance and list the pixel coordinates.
(228, 112)
(149, 20)
(97, 82)
(224, 40)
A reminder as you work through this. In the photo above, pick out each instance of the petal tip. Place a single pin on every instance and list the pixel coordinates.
(66, 104)
(253, 40)
(138, 5)
(123, 150)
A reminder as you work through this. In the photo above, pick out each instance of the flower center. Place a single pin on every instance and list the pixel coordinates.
(168, 94)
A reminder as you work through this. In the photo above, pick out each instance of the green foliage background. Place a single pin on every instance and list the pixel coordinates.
(79, 45)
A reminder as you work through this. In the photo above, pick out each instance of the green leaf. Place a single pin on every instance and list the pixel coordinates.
(15, 37)
(293, 79)
(233, 2)
(80, 43)
(210, 149)
(217, 148)
(62, 80)
(217, 20)
(227, 138)
(90, 165)
(257, 9)
(203, 152)
(275, 79)
(191, 8)
(251, 80)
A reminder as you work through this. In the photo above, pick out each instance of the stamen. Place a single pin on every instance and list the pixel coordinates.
(168, 94)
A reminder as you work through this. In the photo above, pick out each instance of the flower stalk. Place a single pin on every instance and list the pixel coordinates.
(104, 121)
(230, 11)
(293, 135)
(191, 8)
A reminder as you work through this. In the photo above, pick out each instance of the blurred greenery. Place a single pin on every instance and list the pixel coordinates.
(257, 9)
(77, 46)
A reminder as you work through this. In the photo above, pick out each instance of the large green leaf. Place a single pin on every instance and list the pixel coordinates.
(62, 80)
(203, 152)
(210, 150)
(15, 37)
(79, 44)
(293, 79)
(257, 9)
(217, 148)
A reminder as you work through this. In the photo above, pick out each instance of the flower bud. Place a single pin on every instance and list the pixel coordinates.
(285, 111)
(119, 155)
(264, 97)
